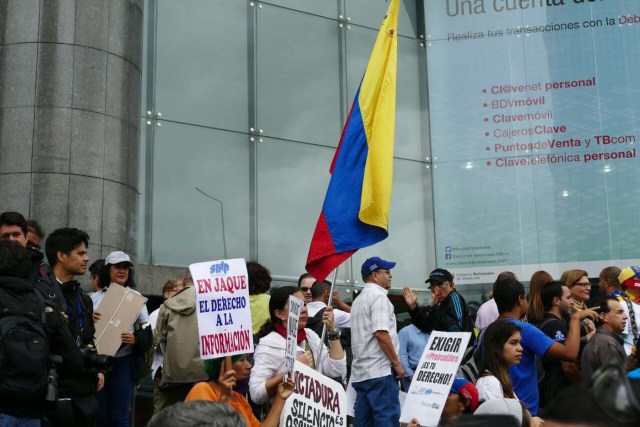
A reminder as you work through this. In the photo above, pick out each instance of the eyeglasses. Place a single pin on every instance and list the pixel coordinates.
(585, 284)
(437, 285)
(304, 289)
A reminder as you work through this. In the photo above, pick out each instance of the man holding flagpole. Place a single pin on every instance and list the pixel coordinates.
(375, 346)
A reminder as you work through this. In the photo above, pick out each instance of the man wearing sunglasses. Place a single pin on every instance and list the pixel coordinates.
(448, 311)
(305, 282)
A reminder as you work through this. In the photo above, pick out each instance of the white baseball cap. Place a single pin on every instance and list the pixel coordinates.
(501, 407)
(117, 257)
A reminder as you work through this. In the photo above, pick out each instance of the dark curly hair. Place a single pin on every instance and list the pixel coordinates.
(64, 240)
(104, 278)
(259, 278)
(14, 260)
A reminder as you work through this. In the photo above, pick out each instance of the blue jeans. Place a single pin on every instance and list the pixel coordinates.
(377, 402)
(11, 421)
(115, 398)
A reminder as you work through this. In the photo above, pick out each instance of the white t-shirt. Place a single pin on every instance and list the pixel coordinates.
(489, 388)
(487, 314)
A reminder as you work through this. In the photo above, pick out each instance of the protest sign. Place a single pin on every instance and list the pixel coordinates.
(433, 377)
(351, 400)
(222, 303)
(295, 306)
(317, 401)
(118, 310)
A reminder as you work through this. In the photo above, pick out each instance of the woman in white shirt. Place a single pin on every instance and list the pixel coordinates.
(128, 364)
(501, 349)
(269, 357)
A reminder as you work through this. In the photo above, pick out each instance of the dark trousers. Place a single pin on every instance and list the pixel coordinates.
(115, 398)
(76, 412)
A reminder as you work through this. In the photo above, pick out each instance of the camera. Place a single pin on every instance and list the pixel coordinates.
(52, 378)
(93, 360)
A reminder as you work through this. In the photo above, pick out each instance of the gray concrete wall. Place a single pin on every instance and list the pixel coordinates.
(70, 83)
(151, 278)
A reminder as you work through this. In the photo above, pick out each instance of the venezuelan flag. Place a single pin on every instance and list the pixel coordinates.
(355, 213)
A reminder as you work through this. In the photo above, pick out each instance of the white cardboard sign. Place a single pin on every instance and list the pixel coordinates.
(295, 307)
(317, 401)
(434, 376)
(222, 304)
(119, 309)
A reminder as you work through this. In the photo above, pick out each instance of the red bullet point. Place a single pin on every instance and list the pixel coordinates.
(488, 163)
(487, 148)
(484, 105)
(486, 119)
(486, 134)
(484, 91)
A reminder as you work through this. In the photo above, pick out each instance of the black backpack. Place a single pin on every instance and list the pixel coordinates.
(315, 323)
(24, 347)
(472, 364)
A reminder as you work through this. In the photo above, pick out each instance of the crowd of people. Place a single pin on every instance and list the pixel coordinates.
(528, 360)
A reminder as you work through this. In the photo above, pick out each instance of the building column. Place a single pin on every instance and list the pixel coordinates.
(70, 83)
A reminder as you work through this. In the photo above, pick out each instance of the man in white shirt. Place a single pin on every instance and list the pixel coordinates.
(488, 312)
(320, 297)
(375, 345)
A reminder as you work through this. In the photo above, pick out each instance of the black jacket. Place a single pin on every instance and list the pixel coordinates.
(83, 381)
(60, 341)
(450, 315)
(44, 281)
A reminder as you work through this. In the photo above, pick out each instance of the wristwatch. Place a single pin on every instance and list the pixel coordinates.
(333, 335)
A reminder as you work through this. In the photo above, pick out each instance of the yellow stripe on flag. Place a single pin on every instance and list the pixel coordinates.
(378, 107)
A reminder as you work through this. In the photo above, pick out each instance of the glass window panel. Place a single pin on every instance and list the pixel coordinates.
(554, 209)
(458, 105)
(483, 210)
(532, 217)
(298, 94)
(292, 182)
(370, 14)
(411, 139)
(327, 8)
(411, 234)
(201, 62)
(187, 225)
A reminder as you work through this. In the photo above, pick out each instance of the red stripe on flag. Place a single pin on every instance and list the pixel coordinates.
(322, 258)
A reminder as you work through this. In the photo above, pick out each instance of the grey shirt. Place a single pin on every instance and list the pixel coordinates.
(603, 347)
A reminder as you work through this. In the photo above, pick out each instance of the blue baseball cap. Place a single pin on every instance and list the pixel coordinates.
(375, 263)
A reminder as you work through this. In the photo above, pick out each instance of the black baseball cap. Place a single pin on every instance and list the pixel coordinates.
(439, 275)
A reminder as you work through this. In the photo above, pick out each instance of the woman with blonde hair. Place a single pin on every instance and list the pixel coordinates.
(535, 311)
(578, 283)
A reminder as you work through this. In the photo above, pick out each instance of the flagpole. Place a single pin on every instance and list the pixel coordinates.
(324, 326)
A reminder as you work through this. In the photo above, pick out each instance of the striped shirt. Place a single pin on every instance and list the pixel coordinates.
(371, 312)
